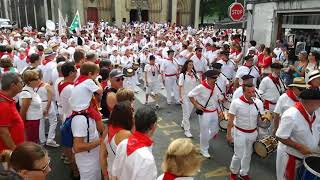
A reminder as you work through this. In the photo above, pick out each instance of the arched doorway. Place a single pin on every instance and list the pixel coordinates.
(92, 14)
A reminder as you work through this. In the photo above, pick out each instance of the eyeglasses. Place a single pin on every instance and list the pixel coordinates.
(45, 167)
(120, 79)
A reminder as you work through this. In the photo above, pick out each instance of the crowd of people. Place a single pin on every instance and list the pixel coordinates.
(87, 80)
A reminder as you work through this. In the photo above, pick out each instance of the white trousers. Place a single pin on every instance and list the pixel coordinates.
(187, 108)
(209, 127)
(130, 83)
(242, 151)
(171, 87)
(280, 157)
(88, 164)
(52, 117)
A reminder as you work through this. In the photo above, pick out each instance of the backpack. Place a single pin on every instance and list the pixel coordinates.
(103, 103)
(66, 131)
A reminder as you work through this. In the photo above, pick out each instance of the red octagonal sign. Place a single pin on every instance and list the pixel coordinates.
(236, 11)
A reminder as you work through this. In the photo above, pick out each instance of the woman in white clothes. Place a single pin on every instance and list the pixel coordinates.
(182, 161)
(45, 91)
(187, 81)
(119, 128)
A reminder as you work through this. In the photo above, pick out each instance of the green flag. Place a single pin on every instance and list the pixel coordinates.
(75, 22)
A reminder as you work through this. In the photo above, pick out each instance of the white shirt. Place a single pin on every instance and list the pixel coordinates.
(245, 114)
(64, 97)
(126, 62)
(239, 92)
(200, 65)
(244, 70)
(137, 166)
(35, 110)
(20, 64)
(268, 90)
(82, 94)
(294, 126)
(169, 67)
(183, 56)
(47, 71)
(211, 56)
(202, 94)
(222, 83)
(188, 82)
(228, 68)
(152, 72)
(284, 103)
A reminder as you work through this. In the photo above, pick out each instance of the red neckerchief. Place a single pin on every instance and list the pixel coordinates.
(205, 84)
(80, 79)
(104, 84)
(169, 176)
(46, 61)
(78, 66)
(275, 80)
(21, 57)
(112, 130)
(242, 98)
(291, 95)
(10, 99)
(2, 53)
(136, 141)
(305, 114)
(62, 85)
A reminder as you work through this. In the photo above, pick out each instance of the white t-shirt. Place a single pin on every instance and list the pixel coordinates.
(188, 82)
(152, 72)
(169, 67)
(47, 71)
(200, 65)
(269, 91)
(284, 103)
(138, 165)
(35, 110)
(65, 96)
(244, 70)
(228, 68)
(20, 64)
(82, 94)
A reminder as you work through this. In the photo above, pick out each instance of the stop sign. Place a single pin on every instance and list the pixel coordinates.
(236, 11)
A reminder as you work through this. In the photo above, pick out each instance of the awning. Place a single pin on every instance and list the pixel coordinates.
(230, 25)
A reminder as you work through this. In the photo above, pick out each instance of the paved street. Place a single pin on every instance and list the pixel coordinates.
(169, 129)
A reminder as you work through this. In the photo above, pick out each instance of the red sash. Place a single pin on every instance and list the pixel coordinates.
(62, 85)
(242, 98)
(112, 131)
(305, 114)
(246, 130)
(169, 176)
(267, 103)
(136, 141)
(290, 168)
(291, 95)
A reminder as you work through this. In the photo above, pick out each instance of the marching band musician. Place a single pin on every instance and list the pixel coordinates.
(246, 79)
(126, 63)
(243, 115)
(169, 71)
(205, 98)
(299, 131)
(199, 61)
(222, 84)
(271, 87)
(247, 69)
(228, 66)
(286, 101)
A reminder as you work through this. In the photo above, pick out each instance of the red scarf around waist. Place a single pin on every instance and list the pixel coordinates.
(305, 114)
(290, 168)
(169, 176)
(136, 141)
(112, 130)
(62, 85)
(291, 95)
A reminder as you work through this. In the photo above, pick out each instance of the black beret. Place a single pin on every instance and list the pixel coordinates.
(170, 50)
(216, 65)
(310, 94)
(212, 73)
(247, 76)
(197, 48)
(276, 66)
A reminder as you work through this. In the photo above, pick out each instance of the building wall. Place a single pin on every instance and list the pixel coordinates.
(265, 20)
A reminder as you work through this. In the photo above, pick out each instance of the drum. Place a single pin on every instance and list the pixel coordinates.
(135, 66)
(264, 123)
(312, 167)
(265, 146)
(128, 72)
(223, 123)
(268, 115)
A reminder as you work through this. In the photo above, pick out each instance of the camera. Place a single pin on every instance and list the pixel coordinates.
(153, 73)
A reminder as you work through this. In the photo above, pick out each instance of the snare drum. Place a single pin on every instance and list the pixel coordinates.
(135, 66)
(128, 72)
(223, 123)
(265, 146)
(312, 168)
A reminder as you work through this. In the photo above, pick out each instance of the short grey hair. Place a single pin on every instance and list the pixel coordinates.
(8, 79)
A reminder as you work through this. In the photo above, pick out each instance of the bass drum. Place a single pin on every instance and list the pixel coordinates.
(311, 165)
(223, 121)
(265, 146)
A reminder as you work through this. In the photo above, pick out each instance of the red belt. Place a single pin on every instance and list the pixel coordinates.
(246, 130)
(208, 110)
(267, 104)
(169, 75)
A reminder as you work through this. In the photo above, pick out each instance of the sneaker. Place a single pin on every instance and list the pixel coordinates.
(157, 106)
(188, 134)
(246, 177)
(205, 154)
(233, 176)
(52, 144)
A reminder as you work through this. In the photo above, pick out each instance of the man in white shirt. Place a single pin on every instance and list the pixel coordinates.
(228, 66)
(48, 65)
(246, 79)
(299, 131)
(152, 71)
(205, 98)
(199, 62)
(20, 60)
(247, 69)
(243, 115)
(134, 159)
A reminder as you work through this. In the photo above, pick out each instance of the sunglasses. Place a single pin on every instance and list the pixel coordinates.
(120, 79)
(45, 167)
